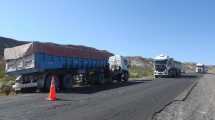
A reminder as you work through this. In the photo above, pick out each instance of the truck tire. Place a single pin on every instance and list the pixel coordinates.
(48, 83)
(119, 78)
(179, 73)
(68, 81)
(102, 80)
(92, 80)
(41, 84)
(172, 73)
(125, 76)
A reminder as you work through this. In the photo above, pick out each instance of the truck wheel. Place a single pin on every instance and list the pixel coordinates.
(102, 82)
(175, 74)
(179, 73)
(68, 81)
(48, 83)
(102, 79)
(41, 84)
(92, 80)
(125, 77)
(172, 73)
(119, 78)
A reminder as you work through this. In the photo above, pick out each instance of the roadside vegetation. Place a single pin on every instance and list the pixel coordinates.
(211, 70)
(140, 72)
(6, 82)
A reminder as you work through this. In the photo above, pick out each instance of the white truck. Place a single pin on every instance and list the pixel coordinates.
(164, 66)
(201, 68)
(119, 66)
(35, 63)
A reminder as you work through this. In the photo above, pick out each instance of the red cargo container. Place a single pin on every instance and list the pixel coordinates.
(56, 50)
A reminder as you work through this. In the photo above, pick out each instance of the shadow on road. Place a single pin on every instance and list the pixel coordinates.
(211, 73)
(90, 89)
(193, 75)
(98, 88)
(190, 76)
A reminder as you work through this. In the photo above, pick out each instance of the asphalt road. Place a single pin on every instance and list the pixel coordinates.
(135, 100)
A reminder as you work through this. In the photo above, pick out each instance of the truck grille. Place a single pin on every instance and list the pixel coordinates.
(160, 68)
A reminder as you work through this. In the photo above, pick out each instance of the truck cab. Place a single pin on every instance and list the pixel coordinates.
(201, 68)
(164, 66)
(160, 66)
(119, 66)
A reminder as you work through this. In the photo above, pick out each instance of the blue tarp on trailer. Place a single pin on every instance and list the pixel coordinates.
(44, 61)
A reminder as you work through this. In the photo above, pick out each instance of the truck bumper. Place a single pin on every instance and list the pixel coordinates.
(160, 74)
(19, 86)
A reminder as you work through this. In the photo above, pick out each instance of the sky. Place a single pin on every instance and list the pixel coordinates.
(182, 29)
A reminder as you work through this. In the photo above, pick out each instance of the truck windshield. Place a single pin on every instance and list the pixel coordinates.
(161, 62)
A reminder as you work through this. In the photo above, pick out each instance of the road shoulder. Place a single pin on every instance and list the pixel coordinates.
(196, 105)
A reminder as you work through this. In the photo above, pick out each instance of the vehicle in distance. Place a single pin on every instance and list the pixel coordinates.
(201, 68)
(164, 66)
(35, 63)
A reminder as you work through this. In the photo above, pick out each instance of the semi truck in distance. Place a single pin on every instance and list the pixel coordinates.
(36, 63)
(164, 66)
(201, 68)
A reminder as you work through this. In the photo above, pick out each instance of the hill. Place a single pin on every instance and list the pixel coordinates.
(140, 67)
(211, 69)
(189, 67)
(8, 42)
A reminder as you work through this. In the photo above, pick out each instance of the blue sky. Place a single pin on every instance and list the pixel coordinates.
(183, 29)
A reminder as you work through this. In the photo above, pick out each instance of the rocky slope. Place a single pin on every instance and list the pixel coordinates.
(189, 67)
(140, 67)
(140, 61)
(8, 42)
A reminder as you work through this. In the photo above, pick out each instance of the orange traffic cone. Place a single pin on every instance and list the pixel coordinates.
(52, 92)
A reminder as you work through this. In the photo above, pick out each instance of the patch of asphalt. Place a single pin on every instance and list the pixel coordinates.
(180, 98)
(135, 101)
